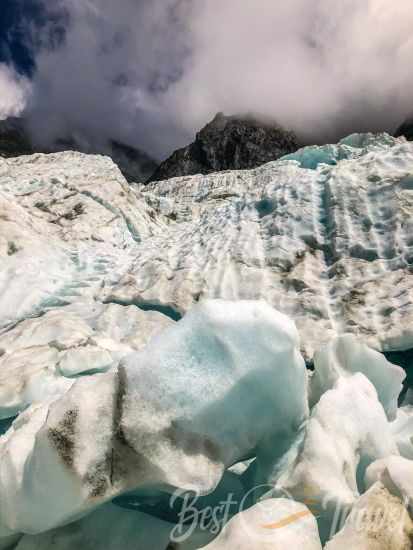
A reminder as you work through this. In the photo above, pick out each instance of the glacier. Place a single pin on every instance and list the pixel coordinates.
(154, 343)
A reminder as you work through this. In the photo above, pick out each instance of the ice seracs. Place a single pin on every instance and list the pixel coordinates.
(210, 391)
(115, 385)
(346, 355)
(41, 356)
(324, 236)
(346, 432)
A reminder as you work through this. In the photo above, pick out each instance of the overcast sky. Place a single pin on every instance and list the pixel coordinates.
(152, 72)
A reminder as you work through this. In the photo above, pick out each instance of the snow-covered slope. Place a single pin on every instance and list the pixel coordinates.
(325, 236)
(108, 394)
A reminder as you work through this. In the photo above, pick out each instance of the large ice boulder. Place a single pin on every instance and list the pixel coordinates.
(346, 355)
(402, 429)
(273, 524)
(396, 474)
(346, 432)
(210, 391)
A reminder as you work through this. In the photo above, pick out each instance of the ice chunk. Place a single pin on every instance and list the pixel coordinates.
(396, 474)
(85, 360)
(223, 381)
(108, 528)
(402, 429)
(29, 376)
(273, 524)
(84, 338)
(210, 391)
(346, 355)
(347, 431)
(377, 521)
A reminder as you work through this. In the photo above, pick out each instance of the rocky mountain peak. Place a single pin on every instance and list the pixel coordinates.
(406, 129)
(229, 143)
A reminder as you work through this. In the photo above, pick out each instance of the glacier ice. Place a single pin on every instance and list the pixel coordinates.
(346, 432)
(396, 474)
(108, 528)
(42, 355)
(377, 521)
(402, 429)
(328, 246)
(208, 392)
(104, 396)
(273, 524)
(344, 356)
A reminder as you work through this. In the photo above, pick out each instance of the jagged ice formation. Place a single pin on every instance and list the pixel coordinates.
(153, 340)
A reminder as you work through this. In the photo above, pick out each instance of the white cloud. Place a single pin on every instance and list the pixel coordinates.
(14, 92)
(325, 67)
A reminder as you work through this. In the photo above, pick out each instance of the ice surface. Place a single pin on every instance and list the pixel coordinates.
(222, 380)
(396, 474)
(402, 429)
(103, 395)
(319, 244)
(109, 528)
(273, 524)
(40, 354)
(344, 356)
(346, 432)
(378, 521)
(210, 391)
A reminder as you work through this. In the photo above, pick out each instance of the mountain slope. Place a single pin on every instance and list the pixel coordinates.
(228, 143)
(406, 130)
(15, 141)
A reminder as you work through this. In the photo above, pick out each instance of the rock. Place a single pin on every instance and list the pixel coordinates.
(406, 130)
(15, 140)
(273, 524)
(228, 143)
(378, 521)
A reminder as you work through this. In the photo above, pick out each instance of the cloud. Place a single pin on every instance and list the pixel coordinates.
(14, 92)
(151, 72)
